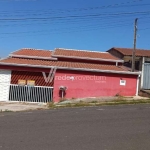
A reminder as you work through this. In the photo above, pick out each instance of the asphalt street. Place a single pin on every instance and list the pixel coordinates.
(125, 127)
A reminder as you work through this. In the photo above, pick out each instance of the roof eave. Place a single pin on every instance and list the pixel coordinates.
(87, 58)
(34, 57)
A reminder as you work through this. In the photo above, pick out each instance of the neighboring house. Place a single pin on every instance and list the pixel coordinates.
(142, 62)
(79, 74)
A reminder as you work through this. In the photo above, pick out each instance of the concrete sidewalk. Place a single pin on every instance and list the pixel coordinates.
(18, 106)
(104, 99)
(21, 106)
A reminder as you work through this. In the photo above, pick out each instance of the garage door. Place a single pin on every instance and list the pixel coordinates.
(5, 77)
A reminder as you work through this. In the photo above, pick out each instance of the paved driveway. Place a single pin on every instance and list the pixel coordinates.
(94, 128)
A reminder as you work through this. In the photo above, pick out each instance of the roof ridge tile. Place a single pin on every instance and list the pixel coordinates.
(79, 50)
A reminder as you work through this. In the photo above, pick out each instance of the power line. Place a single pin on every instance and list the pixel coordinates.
(104, 23)
(75, 16)
(74, 19)
(143, 29)
(77, 19)
(68, 29)
(37, 14)
(70, 20)
(89, 21)
(81, 9)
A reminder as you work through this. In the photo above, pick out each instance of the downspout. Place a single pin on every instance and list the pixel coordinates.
(117, 64)
(62, 94)
(137, 86)
(142, 76)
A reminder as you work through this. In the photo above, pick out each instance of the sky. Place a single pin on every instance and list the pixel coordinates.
(94, 25)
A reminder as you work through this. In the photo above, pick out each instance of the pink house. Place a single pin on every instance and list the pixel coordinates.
(42, 75)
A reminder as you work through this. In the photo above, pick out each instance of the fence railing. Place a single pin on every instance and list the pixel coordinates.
(37, 94)
(146, 75)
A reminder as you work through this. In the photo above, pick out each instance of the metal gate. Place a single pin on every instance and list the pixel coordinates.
(38, 94)
(146, 76)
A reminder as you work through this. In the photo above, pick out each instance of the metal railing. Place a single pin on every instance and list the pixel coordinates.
(37, 94)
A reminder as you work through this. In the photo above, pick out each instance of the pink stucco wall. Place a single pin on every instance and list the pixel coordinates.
(86, 84)
(82, 84)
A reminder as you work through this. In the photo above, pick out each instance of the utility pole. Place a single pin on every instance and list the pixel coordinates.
(134, 49)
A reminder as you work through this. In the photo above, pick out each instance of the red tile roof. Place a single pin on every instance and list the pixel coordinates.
(69, 65)
(128, 51)
(32, 52)
(83, 54)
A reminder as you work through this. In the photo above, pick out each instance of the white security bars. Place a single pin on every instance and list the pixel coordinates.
(36, 94)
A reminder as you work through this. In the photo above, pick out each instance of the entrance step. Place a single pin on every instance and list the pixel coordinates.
(144, 93)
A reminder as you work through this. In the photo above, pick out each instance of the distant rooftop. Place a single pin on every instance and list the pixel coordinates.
(128, 51)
